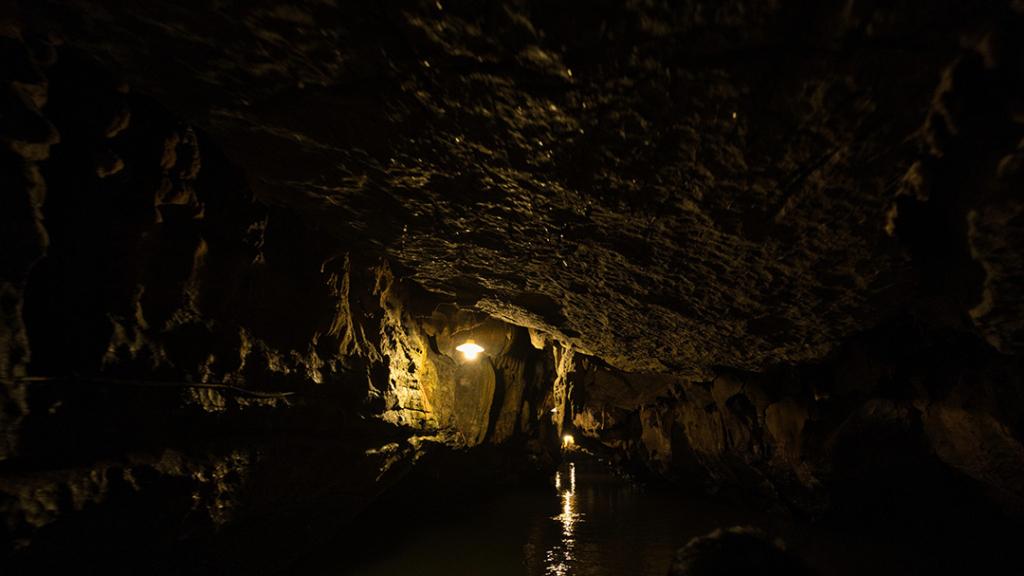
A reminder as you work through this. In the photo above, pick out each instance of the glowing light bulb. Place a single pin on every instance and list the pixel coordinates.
(567, 440)
(470, 349)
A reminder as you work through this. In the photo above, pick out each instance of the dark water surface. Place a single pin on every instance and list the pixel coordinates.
(590, 523)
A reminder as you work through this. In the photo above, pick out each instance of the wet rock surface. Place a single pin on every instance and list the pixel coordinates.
(759, 250)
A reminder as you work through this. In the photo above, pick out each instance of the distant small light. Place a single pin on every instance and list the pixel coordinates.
(553, 410)
(470, 349)
(567, 440)
(734, 115)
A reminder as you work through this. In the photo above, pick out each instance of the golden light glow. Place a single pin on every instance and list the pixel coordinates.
(567, 441)
(560, 558)
(470, 349)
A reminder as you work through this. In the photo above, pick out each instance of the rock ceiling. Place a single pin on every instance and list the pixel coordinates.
(667, 186)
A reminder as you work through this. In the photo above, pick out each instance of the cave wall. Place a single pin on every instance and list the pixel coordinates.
(895, 418)
(182, 364)
(926, 399)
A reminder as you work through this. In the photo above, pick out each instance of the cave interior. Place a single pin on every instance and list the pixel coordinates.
(770, 253)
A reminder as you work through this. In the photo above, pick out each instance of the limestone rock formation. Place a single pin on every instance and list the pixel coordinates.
(769, 251)
(705, 184)
(173, 353)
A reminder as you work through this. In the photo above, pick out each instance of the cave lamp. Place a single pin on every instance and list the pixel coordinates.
(470, 349)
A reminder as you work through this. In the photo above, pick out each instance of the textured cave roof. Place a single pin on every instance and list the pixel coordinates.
(668, 186)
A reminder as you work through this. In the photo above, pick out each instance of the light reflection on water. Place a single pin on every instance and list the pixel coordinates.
(606, 527)
(586, 522)
(560, 556)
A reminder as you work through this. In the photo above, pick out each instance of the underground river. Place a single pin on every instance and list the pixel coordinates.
(589, 522)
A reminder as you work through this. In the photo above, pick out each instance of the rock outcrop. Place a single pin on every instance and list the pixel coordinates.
(902, 409)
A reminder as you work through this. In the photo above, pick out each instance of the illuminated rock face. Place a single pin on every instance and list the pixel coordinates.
(178, 356)
(766, 250)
